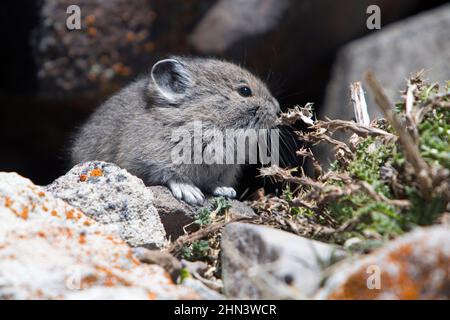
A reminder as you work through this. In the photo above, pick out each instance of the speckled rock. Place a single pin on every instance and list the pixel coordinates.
(111, 195)
(51, 250)
(264, 263)
(415, 266)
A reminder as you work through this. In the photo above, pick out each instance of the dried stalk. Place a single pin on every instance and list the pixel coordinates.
(359, 129)
(359, 104)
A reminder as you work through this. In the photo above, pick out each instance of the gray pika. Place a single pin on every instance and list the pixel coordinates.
(133, 128)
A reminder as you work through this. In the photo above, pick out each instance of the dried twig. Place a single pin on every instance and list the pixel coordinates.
(359, 103)
(360, 129)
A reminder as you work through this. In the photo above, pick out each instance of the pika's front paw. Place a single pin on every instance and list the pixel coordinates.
(189, 193)
(227, 192)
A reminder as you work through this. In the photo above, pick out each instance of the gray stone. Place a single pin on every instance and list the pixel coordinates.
(175, 214)
(229, 21)
(393, 53)
(51, 250)
(111, 195)
(263, 263)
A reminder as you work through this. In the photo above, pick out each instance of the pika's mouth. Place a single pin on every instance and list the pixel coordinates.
(264, 121)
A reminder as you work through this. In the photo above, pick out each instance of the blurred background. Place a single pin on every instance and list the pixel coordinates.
(52, 78)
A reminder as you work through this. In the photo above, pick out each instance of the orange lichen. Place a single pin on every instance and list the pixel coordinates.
(44, 208)
(109, 282)
(168, 277)
(130, 36)
(87, 223)
(92, 32)
(70, 214)
(82, 238)
(41, 194)
(41, 234)
(8, 202)
(96, 172)
(132, 258)
(24, 213)
(54, 213)
(151, 296)
(89, 281)
(112, 279)
(83, 178)
(403, 283)
(121, 69)
(90, 20)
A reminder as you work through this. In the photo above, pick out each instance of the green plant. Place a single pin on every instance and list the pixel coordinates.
(198, 250)
(203, 217)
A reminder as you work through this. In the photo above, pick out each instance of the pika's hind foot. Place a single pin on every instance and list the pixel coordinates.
(227, 192)
(184, 191)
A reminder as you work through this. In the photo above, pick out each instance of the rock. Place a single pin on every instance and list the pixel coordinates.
(176, 215)
(415, 266)
(394, 52)
(264, 263)
(231, 20)
(164, 259)
(51, 250)
(202, 290)
(117, 41)
(111, 195)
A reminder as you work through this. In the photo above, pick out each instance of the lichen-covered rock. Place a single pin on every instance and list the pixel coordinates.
(111, 195)
(51, 250)
(415, 266)
(263, 263)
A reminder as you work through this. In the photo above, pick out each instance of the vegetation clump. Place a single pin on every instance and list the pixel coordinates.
(387, 177)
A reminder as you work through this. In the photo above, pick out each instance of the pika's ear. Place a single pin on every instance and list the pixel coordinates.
(171, 78)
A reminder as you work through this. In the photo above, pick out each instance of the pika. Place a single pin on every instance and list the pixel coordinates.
(134, 127)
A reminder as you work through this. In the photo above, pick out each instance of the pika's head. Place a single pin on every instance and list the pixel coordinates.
(220, 93)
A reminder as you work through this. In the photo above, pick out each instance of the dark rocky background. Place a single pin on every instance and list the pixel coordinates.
(51, 78)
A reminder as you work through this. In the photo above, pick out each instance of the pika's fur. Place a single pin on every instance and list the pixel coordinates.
(133, 129)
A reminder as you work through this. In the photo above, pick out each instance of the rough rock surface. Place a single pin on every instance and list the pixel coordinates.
(50, 250)
(111, 195)
(394, 52)
(415, 266)
(264, 263)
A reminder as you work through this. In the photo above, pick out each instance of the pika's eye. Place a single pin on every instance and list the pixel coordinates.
(245, 91)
